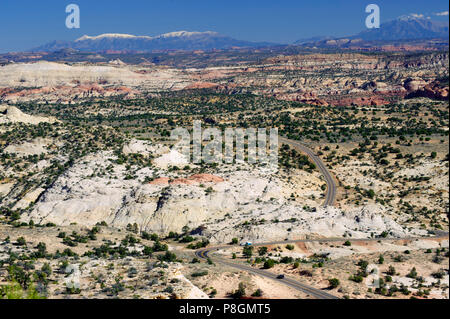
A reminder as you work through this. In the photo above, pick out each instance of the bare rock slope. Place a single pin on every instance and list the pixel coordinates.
(234, 201)
(11, 114)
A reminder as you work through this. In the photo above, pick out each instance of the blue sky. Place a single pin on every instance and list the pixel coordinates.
(25, 24)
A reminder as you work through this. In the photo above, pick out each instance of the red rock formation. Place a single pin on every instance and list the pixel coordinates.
(360, 101)
(182, 181)
(414, 84)
(192, 180)
(308, 98)
(160, 181)
(201, 85)
(433, 90)
(205, 178)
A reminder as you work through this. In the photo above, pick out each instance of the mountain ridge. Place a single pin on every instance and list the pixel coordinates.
(178, 40)
(407, 27)
(404, 28)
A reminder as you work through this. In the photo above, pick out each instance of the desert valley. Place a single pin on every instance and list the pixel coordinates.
(95, 202)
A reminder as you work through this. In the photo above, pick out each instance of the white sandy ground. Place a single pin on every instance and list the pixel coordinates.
(5, 188)
(11, 114)
(251, 203)
(35, 147)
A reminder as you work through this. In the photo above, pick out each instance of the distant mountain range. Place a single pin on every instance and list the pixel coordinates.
(409, 27)
(404, 28)
(181, 40)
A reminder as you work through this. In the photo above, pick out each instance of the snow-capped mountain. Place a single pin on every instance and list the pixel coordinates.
(407, 27)
(180, 40)
(404, 28)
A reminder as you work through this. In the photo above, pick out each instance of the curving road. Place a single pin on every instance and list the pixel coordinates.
(314, 292)
(330, 196)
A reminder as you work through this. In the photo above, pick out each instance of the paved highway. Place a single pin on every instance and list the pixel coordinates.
(314, 292)
(330, 196)
(329, 200)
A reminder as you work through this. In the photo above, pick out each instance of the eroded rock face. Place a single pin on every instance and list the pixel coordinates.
(195, 179)
(63, 83)
(322, 79)
(236, 201)
(144, 148)
(325, 222)
(172, 158)
(414, 84)
(186, 289)
(42, 74)
(316, 79)
(11, 114)
(36, 146)
(433, 90)
(362, 101)
(66, 94)
(154, 207)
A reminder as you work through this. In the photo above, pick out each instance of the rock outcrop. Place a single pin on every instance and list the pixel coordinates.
(433, 90)
(236, 201)
(316, 79)
(11, 114)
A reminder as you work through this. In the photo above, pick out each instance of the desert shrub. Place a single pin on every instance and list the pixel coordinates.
(200, 273)
(240, 292)
(269, 263)
(258, 293)
(168, 257)
(334, 282)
